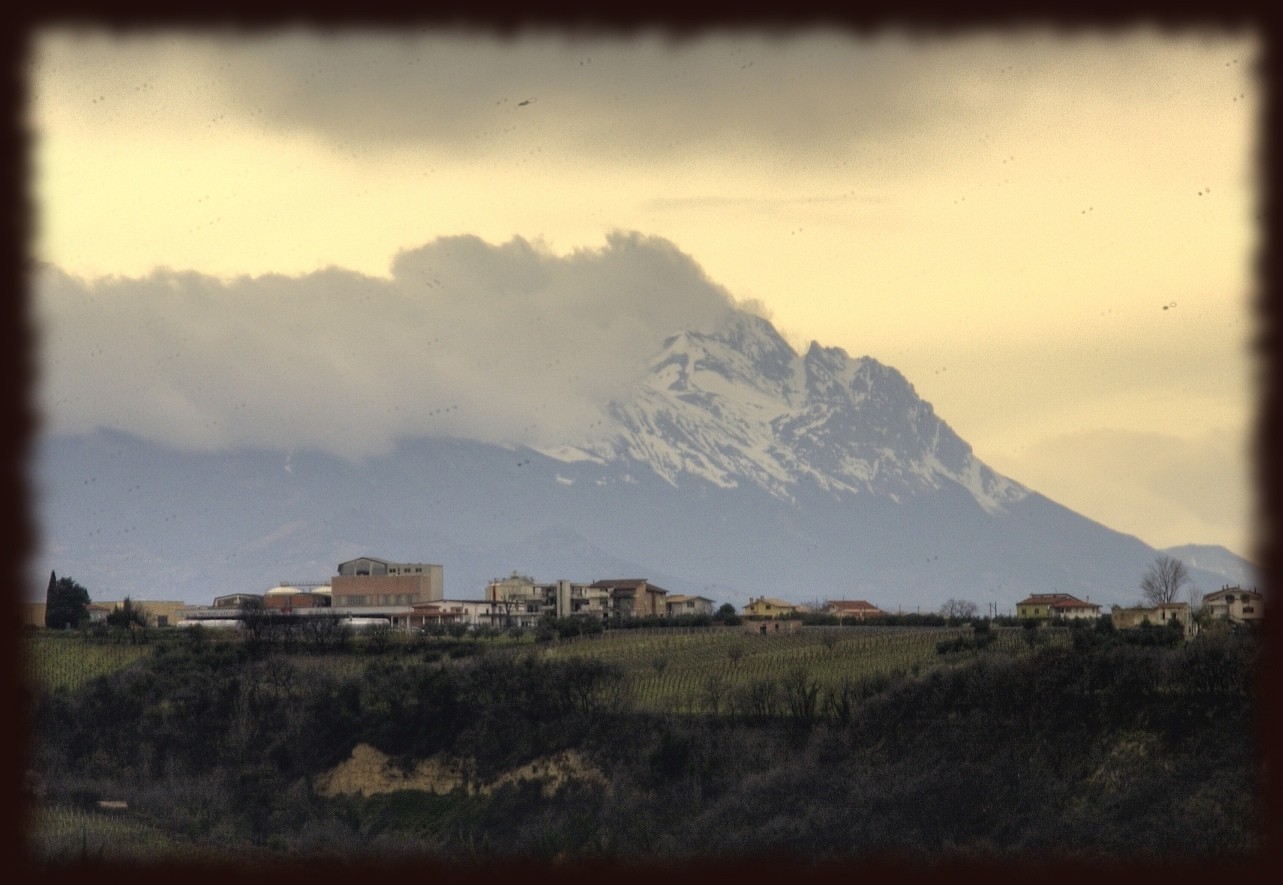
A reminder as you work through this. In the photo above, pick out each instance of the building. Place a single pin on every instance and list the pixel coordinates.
(524, 600)
(472, 612)
(1051, 606)
(1236, 605)
(519, 600)
(368, 582)
(1159, 616)
(32, 614)
(237, 600)
(688, 605)
(98, 612)
(160, 612)
(855, 609)
(632, 597)
(769, 607)
(288, 598)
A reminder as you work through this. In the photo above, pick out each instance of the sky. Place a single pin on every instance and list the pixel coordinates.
(278, 239)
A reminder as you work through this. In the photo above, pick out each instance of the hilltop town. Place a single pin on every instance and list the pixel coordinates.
(408, 596)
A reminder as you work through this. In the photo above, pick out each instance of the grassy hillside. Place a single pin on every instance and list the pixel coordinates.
(700, 672)
(54, 660)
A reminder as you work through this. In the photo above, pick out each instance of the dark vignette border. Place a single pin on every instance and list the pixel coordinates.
(18, 358)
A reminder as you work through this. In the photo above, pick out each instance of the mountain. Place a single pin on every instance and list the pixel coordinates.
(737, 467)
(1234, 569)
(741, 408)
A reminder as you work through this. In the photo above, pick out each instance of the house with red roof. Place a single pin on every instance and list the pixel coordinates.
(856, 609)
(1052, 606)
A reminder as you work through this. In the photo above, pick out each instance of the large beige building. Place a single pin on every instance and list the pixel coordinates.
(368, 582)
(160, 612)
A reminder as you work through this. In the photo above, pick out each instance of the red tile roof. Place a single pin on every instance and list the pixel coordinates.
(851, 605)
(626, 584)
(1057, 600)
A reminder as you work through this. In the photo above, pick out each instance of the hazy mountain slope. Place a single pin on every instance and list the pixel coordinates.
(1231, 567)
(136, 519)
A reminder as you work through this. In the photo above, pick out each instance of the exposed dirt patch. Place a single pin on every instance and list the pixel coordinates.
(370, 771)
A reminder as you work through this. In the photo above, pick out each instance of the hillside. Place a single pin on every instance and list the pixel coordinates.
(1101, 749)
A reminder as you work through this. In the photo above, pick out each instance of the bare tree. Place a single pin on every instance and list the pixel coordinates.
(1164, 579)
(1195, 598)
(958, 608)
(714, 691)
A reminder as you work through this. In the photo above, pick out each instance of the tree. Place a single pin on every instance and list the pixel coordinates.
(726, 615)
(128, 615)
(132, 617)
(66, 603)
(958, 608)
(1163, 580)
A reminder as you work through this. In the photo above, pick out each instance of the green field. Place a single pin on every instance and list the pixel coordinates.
(55, 661)
(65, 835)
(667, 670)
(676, 670)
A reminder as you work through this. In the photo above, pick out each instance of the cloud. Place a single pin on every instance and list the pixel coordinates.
(506, 343)
(823, 95)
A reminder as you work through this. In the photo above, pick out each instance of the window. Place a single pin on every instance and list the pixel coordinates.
(1229, 599)
(1247, 610)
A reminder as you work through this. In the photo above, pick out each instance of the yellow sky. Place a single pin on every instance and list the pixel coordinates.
(1052, 239)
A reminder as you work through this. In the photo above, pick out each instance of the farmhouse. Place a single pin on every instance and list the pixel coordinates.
(688, 605)
(856, 609)
(1159, 616)
(769, 607)
(1236, 605)
(1049, 606)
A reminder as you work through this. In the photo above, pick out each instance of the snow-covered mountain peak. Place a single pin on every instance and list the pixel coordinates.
(740, 406)
(747, 351)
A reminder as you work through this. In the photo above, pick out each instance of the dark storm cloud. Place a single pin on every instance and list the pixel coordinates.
(815, 94)
(787, 103)
(623, 99)
(810, 94)
(504, 343)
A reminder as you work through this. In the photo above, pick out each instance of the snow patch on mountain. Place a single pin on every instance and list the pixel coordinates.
(740, 406)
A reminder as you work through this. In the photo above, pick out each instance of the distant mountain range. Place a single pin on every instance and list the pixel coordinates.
(737, 468)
